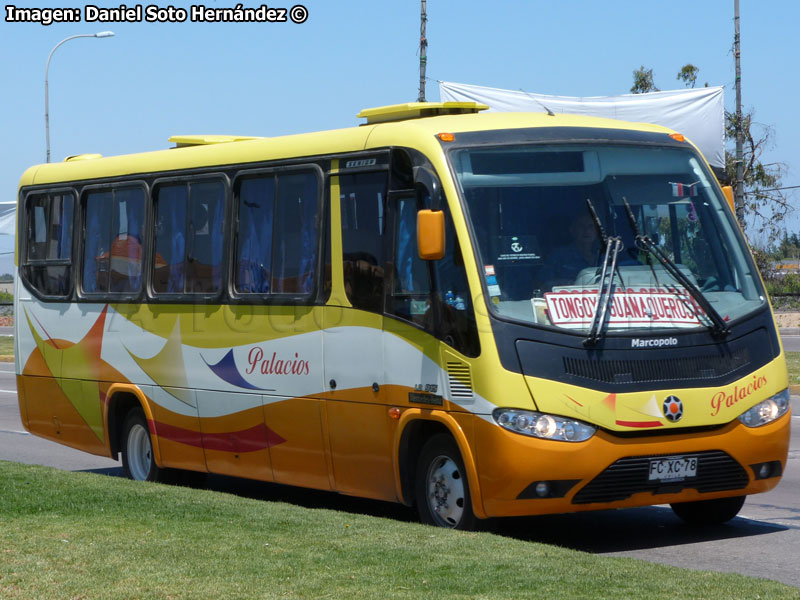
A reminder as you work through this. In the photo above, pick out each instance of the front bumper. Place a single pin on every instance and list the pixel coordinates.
(611, 471)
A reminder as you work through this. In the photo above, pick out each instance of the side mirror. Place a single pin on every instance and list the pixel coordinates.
(728, 191)
(430, 234)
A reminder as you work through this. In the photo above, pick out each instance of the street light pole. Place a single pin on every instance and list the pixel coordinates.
(102, 34)
(737, 53)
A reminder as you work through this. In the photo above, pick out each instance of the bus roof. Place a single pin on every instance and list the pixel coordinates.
(404, 124)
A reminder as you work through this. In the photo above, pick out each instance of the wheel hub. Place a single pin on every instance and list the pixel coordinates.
(446, 491)
(139, 452)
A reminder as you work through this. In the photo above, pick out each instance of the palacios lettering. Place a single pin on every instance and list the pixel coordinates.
(275, 365)
(739, 393)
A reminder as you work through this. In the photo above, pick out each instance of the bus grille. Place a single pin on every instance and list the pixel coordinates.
(669, 369)
(716, 472)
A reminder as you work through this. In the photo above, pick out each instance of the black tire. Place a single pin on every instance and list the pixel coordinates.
(183, 478)
(441, 487)
(138, 461)
(709, 512)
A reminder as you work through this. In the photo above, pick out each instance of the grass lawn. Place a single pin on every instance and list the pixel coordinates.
(79, 535)
(793, 365)
(6, 345)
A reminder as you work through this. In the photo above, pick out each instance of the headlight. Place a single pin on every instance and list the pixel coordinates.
(766, 411)
(539, 425)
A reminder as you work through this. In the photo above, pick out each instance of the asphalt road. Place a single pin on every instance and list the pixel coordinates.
(764, 541)
(791, 340)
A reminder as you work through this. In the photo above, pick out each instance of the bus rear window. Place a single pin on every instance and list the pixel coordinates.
(48, 243)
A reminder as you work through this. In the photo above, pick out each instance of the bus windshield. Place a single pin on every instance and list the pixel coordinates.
(546, 220)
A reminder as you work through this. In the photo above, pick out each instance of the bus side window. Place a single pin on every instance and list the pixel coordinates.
(48, 249)
(456, 317)
(410, 298)
(295, 237)
(256, 203)
(363, 207)
(97, 241)
(112, 255)
(190, 221)
(171, 209)
(207, 220)
(444, 308)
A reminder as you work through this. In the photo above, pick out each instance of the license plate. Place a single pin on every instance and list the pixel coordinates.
(675, 468)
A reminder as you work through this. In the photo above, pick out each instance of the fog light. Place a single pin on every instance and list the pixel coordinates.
(555, 488)
(767, 470)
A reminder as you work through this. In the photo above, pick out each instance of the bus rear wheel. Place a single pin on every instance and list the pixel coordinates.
(138, 461)
(442, 490)
(709, 512)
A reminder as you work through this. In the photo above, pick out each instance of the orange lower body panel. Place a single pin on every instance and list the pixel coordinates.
(53, 417)
(508, 463)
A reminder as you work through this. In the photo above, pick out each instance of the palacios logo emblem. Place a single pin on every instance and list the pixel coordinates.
(515, 245)
(672, 409)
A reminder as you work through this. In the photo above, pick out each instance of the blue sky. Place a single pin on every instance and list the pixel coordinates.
(131, 92)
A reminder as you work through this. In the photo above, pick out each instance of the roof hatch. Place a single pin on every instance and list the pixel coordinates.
(418, 110)
(82, 157)
(183, 141)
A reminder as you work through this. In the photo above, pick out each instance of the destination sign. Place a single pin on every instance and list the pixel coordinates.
(574, 307)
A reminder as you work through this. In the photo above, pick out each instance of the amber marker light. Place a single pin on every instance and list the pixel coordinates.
(446, 137)
(394, 412)
(678, 137)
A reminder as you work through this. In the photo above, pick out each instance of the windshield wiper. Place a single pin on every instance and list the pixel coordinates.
(606, 291)
(646, 244)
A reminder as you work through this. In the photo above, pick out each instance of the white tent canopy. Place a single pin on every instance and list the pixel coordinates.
(699, 114)
(8, 218)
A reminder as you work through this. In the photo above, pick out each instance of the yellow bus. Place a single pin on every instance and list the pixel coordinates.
(478, 314)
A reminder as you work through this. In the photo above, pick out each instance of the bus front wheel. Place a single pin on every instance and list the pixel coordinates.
(138, 461)
(709, 512)
(442, 490)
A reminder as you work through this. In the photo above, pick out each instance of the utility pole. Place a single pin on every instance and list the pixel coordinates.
(739, 200)
(423, 56)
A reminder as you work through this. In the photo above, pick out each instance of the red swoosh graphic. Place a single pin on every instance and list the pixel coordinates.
(256, 438)
(640, 423)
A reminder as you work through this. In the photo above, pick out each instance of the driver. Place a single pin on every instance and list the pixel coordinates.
(579, 251)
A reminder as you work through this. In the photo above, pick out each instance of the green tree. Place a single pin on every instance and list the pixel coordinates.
(688, 74)
(643, 81)
(765, 205)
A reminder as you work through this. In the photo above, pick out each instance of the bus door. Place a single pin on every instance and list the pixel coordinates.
(411, 353)
(357, 419)
(430, 325)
